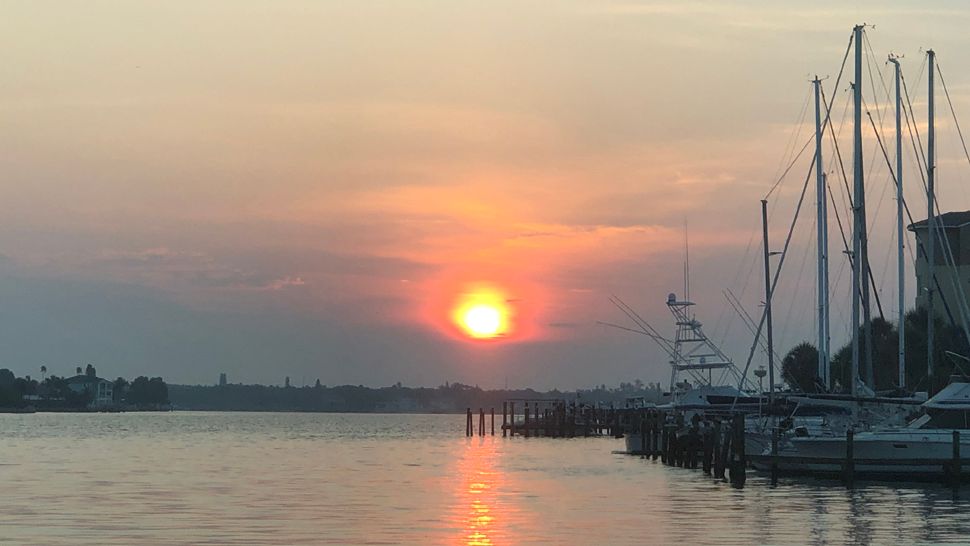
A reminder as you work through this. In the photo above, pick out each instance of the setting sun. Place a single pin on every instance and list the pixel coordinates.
(482, 320)
(482, 312)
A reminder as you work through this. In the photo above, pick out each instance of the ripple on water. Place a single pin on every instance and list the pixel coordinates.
(250, 478)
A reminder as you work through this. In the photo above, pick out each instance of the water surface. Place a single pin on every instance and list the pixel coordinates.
(292, 478)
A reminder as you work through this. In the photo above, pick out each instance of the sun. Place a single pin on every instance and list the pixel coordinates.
(482, 312)
(482, 320)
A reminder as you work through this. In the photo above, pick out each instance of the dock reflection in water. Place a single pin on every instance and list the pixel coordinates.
(301, 479)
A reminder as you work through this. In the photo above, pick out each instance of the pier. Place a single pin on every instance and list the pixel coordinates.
(547, 418)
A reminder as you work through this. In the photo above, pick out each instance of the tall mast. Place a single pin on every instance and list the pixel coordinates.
(822, 239)
(866, 273)
(930, 217)
(900, 234)
(857, 204)
(771, 348)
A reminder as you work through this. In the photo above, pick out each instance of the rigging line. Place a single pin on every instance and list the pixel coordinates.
(882, 77)
(790, 166)
(872, 83)
(838, 217)
(747, 320)
(872, 167)
(838, 151)
(919, 243)
(786, 323)
(642, 323)
(774, 282)
(885, 265)
(795, 133)
(953, 113)
(882, 80)
(914, 128)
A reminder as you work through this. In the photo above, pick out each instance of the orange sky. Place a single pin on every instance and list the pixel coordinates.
(323, 178)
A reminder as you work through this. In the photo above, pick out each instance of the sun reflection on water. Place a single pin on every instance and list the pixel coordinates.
(477, 494)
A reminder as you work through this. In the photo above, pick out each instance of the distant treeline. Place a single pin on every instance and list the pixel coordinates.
(85, 390)
(447, 398)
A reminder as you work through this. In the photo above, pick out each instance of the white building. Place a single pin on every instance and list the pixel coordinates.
(101, 390)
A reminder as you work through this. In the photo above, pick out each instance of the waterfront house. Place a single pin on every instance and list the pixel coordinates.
(100, 390)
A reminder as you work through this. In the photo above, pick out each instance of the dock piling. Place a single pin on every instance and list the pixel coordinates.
(849, 467)
(774, 455)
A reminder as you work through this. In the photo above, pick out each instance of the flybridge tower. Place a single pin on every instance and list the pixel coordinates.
(693, 352)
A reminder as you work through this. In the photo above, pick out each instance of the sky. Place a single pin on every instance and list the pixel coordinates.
(309, 188)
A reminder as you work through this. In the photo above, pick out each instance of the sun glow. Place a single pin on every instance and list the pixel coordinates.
(482, 313)
(482, 320)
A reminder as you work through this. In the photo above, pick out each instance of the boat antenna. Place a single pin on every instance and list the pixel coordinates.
(686, 263)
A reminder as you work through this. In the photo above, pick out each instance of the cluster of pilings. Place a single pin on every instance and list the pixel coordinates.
(557, 419)
(469, 423)
(547, 418)
(714, 444)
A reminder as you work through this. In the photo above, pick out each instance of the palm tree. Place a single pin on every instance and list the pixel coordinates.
(43, 372)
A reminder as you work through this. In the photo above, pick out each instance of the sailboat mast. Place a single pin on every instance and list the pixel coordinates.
(930, 216)
(771, 348)
(822, 239)
(900, 234)
(857, 205)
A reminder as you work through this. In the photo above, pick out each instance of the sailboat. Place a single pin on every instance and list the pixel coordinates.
(922, 448)
(941, 432)
(831, 415)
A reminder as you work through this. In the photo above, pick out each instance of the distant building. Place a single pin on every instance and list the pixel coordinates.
(287, 382)
(100, 390)
(956, 226)
(222, 380)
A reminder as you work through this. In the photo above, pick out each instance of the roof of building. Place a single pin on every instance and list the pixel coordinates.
(86, 379)
(946, 220)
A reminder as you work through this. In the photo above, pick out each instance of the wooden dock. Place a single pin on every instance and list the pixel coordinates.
(547, 418)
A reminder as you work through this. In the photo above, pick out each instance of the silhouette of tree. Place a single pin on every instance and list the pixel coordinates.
(800, 367)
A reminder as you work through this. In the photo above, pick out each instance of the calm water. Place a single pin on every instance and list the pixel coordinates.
(238, 478)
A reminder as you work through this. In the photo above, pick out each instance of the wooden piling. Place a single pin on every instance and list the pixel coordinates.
(739, 462)
(493, 421)
(468, 423)
(643, 436)
(708, 445)
(525, 423)
(774, 455)
(955, 465)
(512, 419)
(720, 450)
(848, 473)
(505, 420)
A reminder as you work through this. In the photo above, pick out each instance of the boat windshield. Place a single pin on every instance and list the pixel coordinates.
(959, 419)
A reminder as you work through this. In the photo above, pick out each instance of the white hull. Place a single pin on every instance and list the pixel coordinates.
(878, 452)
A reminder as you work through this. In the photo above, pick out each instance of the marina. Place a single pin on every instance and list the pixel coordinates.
(718, 419)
